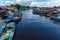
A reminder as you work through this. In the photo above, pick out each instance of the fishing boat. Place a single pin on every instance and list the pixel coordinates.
(13, 15)
(7, 25)
(36, 11)
(8, 32)
(2, 26)
(56, 17)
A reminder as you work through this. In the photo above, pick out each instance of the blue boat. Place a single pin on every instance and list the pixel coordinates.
(8, 31)
(56, 17)
(7, 26)
(2, 26)
(13, 17)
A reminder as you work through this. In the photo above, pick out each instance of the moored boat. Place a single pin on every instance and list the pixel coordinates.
(7, 27)
(36, 11)
(56, 17)
(8, 32)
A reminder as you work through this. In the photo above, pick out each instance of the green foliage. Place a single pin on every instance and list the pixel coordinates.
(24, 6)
(55, 7)
(35, 6)
(12, 5)
(18, 6)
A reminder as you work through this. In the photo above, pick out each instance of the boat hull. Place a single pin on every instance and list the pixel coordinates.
(55, 18)
(36, 11)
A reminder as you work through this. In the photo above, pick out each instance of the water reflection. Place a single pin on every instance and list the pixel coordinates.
(36, 27)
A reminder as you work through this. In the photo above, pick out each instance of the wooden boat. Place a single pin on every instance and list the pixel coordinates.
(7, 28)
(8, 32)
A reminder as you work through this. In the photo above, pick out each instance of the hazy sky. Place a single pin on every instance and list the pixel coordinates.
(39, 3)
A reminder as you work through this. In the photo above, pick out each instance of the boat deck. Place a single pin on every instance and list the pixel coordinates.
(4, 34)
(2, 25)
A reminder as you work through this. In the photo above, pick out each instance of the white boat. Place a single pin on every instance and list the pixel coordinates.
(36, 11)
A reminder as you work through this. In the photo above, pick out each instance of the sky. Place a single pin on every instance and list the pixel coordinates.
(38, 3)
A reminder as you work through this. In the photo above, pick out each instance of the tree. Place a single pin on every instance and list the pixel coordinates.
(12, 5)
(35, 6)
(28, 7)
(55, 7)
(18, 6)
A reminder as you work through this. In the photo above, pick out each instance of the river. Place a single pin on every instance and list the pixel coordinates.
(36, 27)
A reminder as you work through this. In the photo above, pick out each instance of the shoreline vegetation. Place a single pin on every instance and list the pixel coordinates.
(18, 6)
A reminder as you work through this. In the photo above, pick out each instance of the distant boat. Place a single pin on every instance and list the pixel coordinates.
(56, 17)
(36, 11)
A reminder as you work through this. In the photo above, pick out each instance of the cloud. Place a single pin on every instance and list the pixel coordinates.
(6, 2)
(9, 2)
(25, 2)
(39, 3)
(17, 1)
(48, 3)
